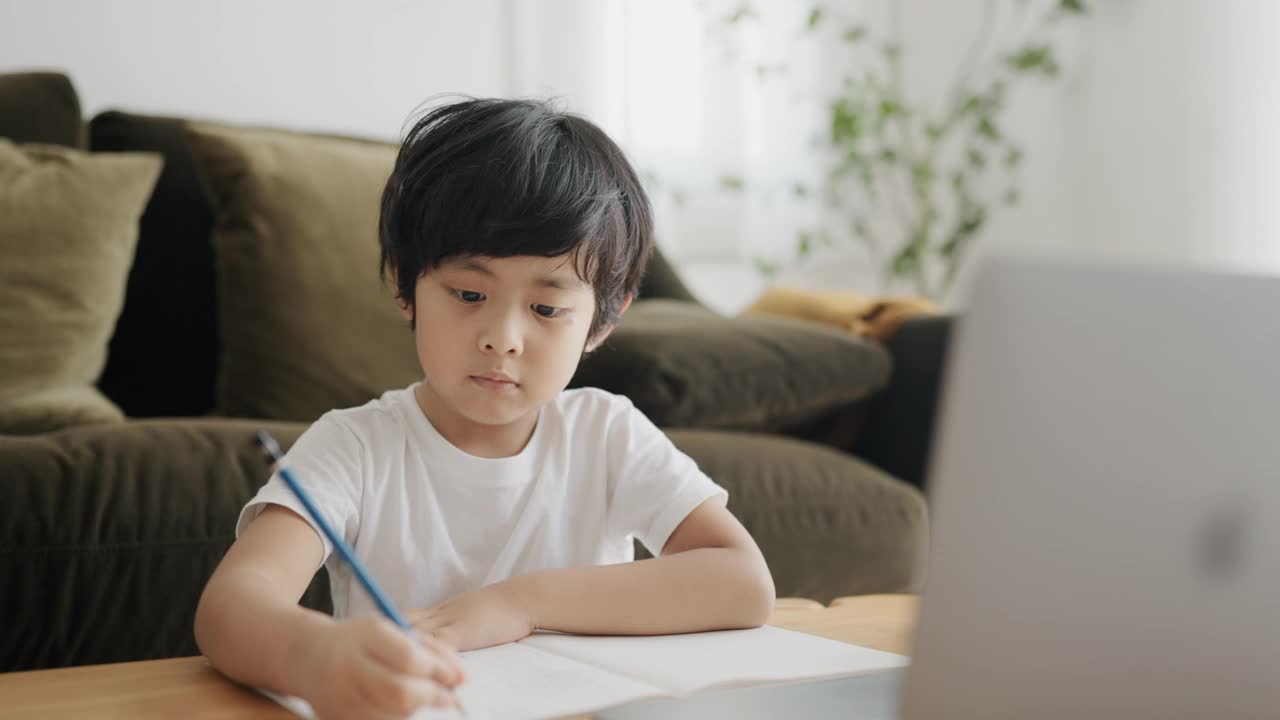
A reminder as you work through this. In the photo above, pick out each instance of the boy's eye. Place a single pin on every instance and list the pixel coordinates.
(547, 311)
(469, 297)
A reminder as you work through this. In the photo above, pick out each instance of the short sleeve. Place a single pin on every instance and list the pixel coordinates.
(652, 485)
(328, 462)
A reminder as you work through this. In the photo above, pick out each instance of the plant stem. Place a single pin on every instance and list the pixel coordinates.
(977, 49)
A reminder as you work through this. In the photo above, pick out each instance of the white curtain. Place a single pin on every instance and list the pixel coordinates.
(680, 89)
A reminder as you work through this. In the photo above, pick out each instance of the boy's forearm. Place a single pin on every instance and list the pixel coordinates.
(250, 635)
(693, 591)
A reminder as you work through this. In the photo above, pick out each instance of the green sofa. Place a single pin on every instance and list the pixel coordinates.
(109, 530)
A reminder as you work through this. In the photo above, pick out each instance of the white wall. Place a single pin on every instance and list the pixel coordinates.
(352, 67)
(1174, 132)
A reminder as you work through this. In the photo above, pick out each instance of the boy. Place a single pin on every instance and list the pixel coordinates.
(486, 499)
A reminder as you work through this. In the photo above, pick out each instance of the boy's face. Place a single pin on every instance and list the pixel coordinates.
(499, 337)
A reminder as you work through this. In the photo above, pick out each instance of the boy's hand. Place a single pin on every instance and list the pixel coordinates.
(489, 616)
(371, 668)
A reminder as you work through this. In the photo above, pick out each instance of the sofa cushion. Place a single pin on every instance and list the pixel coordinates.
(109, 533)
(171, 284)
(306, 323)
(40, 107)
(68, 226)
(828, 524)
(684, 365)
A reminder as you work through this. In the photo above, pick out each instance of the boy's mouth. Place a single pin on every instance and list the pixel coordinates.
(495, 380)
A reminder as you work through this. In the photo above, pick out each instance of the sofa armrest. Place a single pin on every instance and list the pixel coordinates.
(108, 534)
(898, 429)
(828, 524)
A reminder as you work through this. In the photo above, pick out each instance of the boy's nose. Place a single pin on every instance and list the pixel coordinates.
(503, 348)
(502, 339)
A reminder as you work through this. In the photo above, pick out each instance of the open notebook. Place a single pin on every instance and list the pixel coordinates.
(548, 675)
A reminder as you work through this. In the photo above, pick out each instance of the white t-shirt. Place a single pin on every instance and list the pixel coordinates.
(430, 521)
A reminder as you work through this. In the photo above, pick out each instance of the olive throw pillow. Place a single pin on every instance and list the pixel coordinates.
(686, 366)
(306, 324)
(68, 228)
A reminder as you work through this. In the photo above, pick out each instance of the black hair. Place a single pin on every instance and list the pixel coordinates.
(499, 178)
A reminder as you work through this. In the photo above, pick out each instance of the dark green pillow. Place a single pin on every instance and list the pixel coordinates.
(684, 365)
(68, 227)
(40, 107)
(172, 284)
(306, 324)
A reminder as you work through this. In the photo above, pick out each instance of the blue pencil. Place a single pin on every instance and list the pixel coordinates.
(272, 449)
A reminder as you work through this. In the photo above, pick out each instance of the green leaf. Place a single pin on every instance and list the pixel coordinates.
(891, 53)
(889, 107)
(1076, 7)
(859, 228)
(766, 267)
(804, 244)
(958, 182)
(889, 155)
(972, 220)
(846, 123)
(1013, 158)
(855, 34)
(1012, 197)
(906, 260)
(922, 173)
(732, 182)
(1037, 58)
(987, 129)
(679, 197)
(740, 13)
(815, 17)
(800, 190)
(933, 132)
(976, 158)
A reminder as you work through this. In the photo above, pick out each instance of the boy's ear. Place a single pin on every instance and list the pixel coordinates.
(603, 334)
(406, 309)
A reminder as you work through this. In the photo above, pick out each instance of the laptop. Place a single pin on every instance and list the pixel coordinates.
(1105, 497)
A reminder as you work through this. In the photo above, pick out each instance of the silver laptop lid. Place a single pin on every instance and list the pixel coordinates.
(1106, 499)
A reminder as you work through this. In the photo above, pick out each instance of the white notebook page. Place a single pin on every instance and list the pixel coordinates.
(680, 664)
(549, 675)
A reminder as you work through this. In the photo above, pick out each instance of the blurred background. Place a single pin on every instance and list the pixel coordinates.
(869, 146)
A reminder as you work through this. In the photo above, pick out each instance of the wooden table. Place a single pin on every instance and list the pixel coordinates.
(190, 689)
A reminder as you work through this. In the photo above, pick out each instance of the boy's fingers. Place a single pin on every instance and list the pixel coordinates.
(402, 654)
(399, 694)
